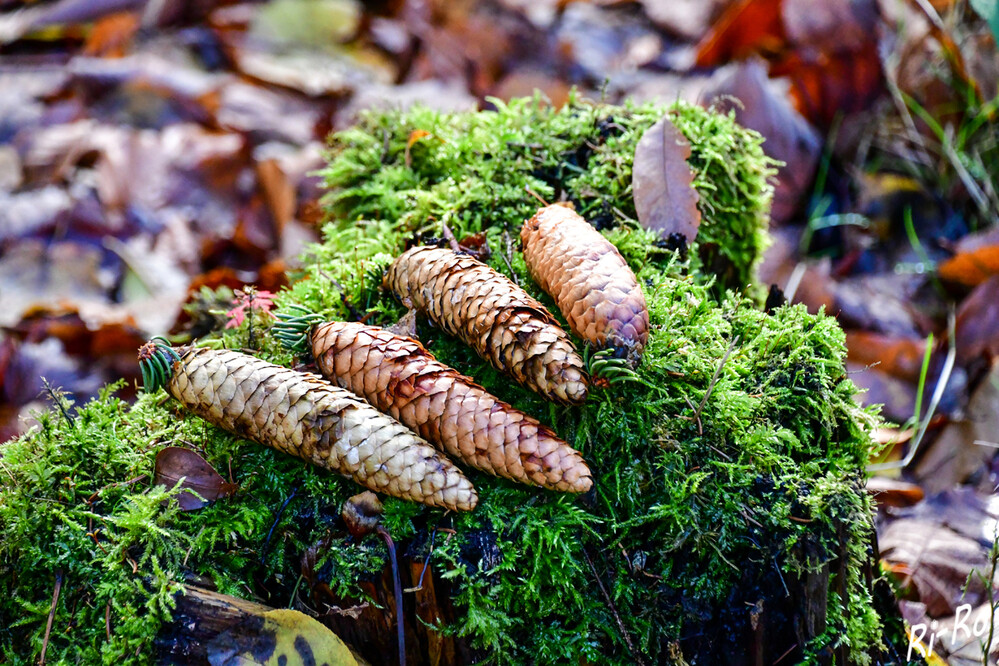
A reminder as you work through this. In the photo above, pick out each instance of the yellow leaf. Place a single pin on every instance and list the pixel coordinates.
(281, 636)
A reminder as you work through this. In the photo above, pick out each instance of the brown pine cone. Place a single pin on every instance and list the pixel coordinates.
(494, 316)
(590, 281)
(401, 378)
(305, 416)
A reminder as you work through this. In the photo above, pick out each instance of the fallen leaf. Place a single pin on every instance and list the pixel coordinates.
(175, 463)
(831, 26)
(745, 27)
(977, 332)
(278, 192)
(314, 24)
(976, 259)
(961, 645)
(954, 455)
(32, 211)
(313, 74)
(111, 36)
(525, 81)
(663, 184)
(826, 86)
(942, 567)
(601, 43)
(449, 96)
(880, 302)
(406, 326)
(285, 637)
(892, 492)
(896, 397)
(414, 136)
(51, 274)
(267, 114)
(764, 105)
(899, 356)
(964, 510)
(689, 19)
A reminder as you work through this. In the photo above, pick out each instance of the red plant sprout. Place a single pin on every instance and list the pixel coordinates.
(252, 300)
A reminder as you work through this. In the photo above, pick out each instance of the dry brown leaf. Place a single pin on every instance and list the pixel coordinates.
(111, 36)
(689, 19)
(897, 397)
(898, 356)
(174, 463)
(663, 184)
(977, 331)
(832, 25)
(893, 492)
(764, 105)
(936, 562)
(278, 192)
(954, 455)
(829, 85)
(414, 136)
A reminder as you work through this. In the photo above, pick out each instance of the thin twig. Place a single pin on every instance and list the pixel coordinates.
(277, 519)
(714, 380)
(56, 397)
(508, 255)
(52, 610)
(449, 237)
(536, 195)
(786, 652)
(617, 618)
(397, 585)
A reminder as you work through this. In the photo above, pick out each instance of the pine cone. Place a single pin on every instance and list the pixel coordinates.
(305, 416)
(401, 378)
(590, 281)
(494, 316)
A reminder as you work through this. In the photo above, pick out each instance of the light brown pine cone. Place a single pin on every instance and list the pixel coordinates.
(401, 378)
(590, 281)
(498, 319)
(305, 416)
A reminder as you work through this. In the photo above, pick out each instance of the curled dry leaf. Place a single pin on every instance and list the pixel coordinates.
(175, 463)
(978, 323)
(362, 513)
(663, 184)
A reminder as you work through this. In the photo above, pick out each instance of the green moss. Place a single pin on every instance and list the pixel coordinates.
(477, 170)
(710, 496)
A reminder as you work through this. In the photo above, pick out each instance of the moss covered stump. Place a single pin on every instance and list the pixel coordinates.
(728, 522)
